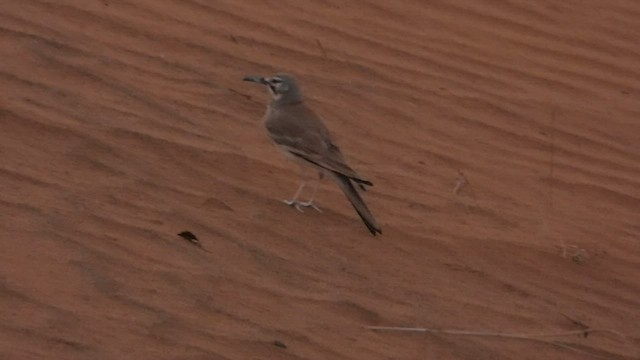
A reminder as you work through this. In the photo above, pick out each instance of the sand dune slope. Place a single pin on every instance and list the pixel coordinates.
(503, 139)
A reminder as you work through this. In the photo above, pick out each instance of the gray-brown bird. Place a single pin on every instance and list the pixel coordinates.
(302, 135)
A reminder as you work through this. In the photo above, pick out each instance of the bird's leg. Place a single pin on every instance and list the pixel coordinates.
(309, 203)
(294, 202)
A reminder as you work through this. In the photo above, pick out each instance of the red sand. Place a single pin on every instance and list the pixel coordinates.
(123, 123)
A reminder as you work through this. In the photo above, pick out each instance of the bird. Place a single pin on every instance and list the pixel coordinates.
(296, 129)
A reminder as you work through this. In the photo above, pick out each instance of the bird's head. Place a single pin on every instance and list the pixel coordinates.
(282, 87)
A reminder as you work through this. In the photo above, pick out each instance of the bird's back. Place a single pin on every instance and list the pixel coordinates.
(297, 128)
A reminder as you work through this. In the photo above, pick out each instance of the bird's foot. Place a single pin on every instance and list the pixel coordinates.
(311, 205)
(299, 205)
(294, 203)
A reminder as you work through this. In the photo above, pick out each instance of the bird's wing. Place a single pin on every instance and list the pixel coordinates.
(304, 135)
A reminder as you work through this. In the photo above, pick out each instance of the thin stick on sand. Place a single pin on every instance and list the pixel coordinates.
(324, 53)
(531, 337)
(461, 181)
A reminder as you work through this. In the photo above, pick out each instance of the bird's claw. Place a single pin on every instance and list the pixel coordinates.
(299, 205)
(294, 204)
(311, 205)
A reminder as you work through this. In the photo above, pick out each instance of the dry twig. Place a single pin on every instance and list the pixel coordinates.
(531, 337)
(324, 53)
(461, 181)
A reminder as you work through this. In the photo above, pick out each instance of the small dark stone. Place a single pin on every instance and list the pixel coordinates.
(189, 236)
(280, 344)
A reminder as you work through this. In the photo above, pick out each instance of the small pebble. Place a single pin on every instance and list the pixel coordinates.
(189, 236)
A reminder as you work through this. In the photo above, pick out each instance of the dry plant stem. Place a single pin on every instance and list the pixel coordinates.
(461, 181)
(576, 322)
(484, 333)
(324, 53)
(530, 337)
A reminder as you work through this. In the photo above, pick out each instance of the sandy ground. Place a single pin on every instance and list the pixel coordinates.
(503, 139)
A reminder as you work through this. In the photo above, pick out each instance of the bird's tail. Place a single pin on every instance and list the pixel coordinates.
(357, 202)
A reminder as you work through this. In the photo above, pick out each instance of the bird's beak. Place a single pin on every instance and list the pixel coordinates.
(255, 79)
